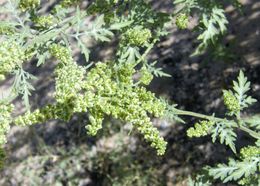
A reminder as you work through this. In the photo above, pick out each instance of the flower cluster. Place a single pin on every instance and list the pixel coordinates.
(137, 36)
(61, 53)
(106, 90)
(11, 55)
(96, 118)
(250, 151)
(253, 179)
(26, 5)
(146, 76)
(68, 81)
(200, 129)
(115, 95)
(231, 102)
(5, 29)
(182, 21)
(38, 116)
(67, 3)
(44, 22)
(62, 111)
(100, 6)
(66, 88)
(5, 120)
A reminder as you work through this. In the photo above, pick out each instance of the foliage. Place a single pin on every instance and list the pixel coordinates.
(111, 88)
(200, 180)
(244, 170)
(212, 20)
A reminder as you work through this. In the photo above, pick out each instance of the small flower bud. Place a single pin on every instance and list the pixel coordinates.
(182, 21)
(231, 102)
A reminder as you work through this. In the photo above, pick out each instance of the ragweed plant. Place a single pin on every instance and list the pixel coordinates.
(110, 88)
(245, 170)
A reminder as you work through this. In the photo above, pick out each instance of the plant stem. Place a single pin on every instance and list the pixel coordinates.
(232, 122)
(142, 58)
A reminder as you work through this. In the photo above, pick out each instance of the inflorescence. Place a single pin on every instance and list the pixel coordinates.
(107, 89)
(231, 102)
(182, 21)
(11, 55)
(250, 151)
(137, 36)
(5, 120)
(26, 5)
(200, 129)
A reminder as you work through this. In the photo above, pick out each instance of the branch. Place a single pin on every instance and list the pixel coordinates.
(233, 123)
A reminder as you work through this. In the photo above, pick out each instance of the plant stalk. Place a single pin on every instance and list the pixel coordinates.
(232, 122)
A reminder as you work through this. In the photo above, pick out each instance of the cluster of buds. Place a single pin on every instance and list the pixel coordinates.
(231, 102)
(11, 55)
(61, 53)
(200, 129)
(67, 3)
(120, 99)
(44, 22)
(108, 89)
(95, 118)
(68, 81)
(182, 21)
(62, 111)
(137, 36)
(6, 29)
(5, 120)
(146, 76)
(26, 5)
(250, 151)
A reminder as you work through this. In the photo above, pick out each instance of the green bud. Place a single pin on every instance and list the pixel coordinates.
(251, 180)
(250, 151)
(61, 53)
(6, 29)
(67, 3)
(146, 76)
(26, 5)
(182, 21)
(5, 120)
(96, 118)
(151, 134)
(137, 36)
(44, 22)
(231, 102)
(200, 129)
(68, 87)
(11, 55)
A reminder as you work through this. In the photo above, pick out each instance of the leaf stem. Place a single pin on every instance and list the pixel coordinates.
(142, 58)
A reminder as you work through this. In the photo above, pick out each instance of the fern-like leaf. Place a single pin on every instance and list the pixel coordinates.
(22, 86)
(235, 170)
(241, 87)
(213, 25)
(225, 134)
